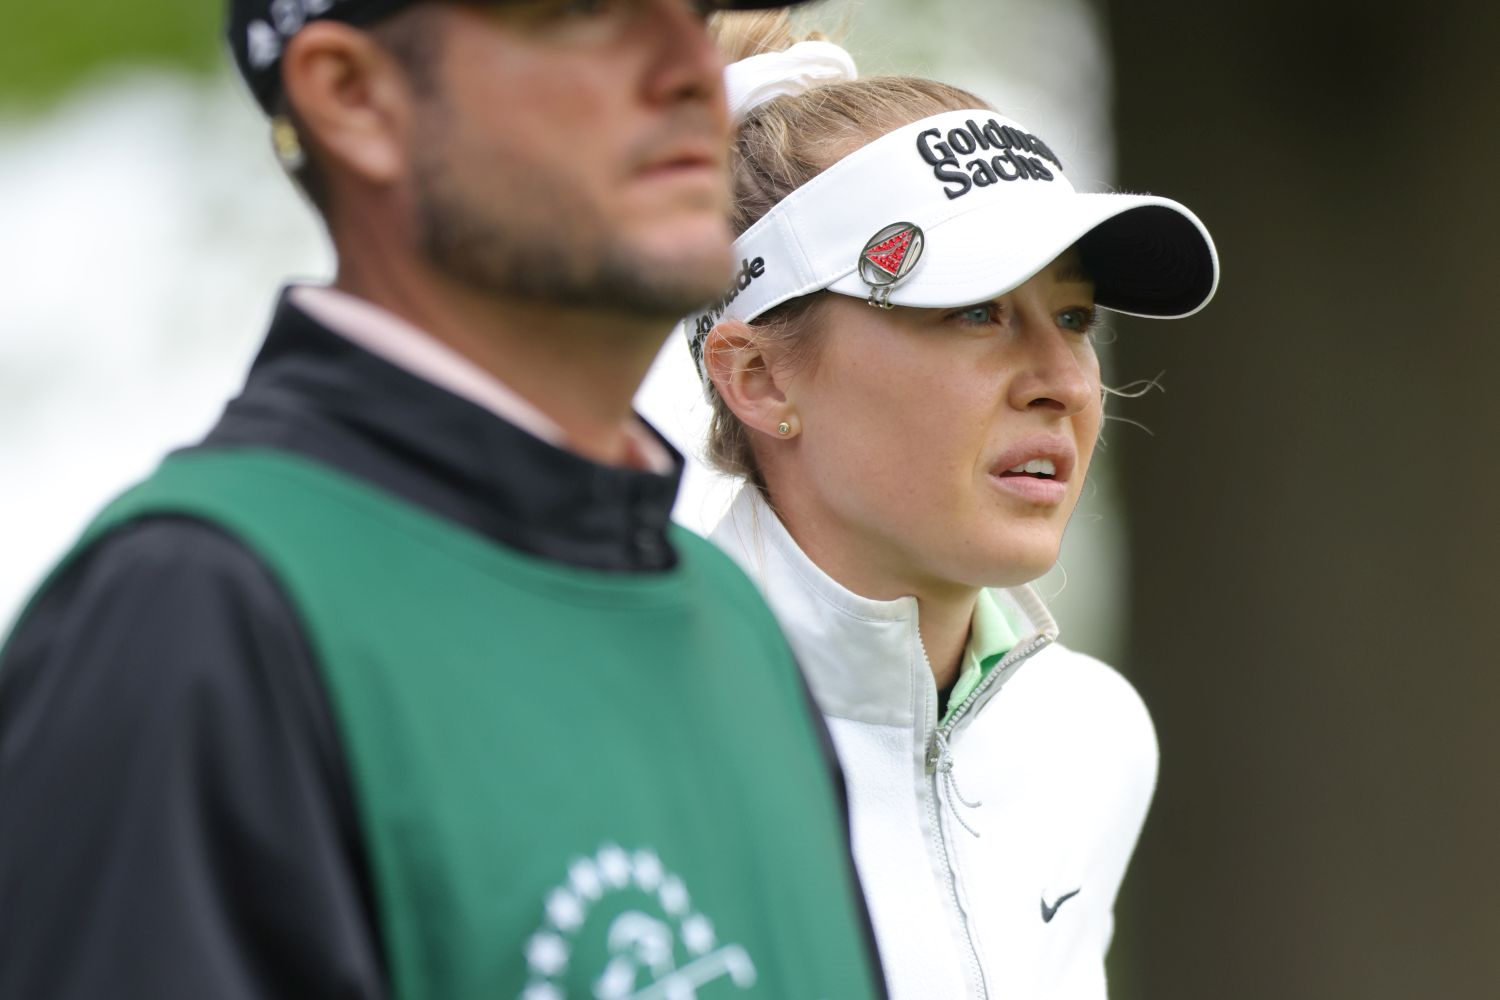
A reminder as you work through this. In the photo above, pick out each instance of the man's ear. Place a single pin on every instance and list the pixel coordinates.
(747, 377)
(351, 100)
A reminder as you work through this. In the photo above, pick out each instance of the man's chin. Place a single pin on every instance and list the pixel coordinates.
(696, 268)
(664, 285)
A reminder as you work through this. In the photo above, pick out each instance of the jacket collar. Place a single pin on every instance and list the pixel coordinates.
(863, 658)
(316, 393)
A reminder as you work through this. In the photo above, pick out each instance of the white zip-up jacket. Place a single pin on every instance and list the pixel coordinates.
(991, 845)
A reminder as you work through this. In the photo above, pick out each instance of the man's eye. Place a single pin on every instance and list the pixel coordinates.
(580, 8)
(593, 8)
(1078, 320)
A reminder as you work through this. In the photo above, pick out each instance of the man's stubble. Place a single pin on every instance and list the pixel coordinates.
(528, 238)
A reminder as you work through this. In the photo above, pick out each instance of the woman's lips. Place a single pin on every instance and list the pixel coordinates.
(1036, 470)
(1032, 489)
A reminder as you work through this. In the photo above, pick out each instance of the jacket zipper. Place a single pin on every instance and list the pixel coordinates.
(1016, 655)
(934, 807)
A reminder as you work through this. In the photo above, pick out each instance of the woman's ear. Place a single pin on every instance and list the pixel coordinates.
(747, 378)
(352, 99)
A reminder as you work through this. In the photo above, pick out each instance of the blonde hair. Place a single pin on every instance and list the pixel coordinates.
(780, 146)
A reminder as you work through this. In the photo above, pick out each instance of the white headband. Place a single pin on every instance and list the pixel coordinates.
(752, 82)
(957, 209)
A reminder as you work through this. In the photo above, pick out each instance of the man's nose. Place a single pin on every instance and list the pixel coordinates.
(685, 62)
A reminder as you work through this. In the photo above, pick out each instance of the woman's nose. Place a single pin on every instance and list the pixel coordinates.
(1054, 371)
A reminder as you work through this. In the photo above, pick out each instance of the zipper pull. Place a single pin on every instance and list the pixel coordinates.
(934, 754)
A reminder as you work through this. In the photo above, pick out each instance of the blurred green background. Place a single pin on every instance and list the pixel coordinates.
(1296, 567)
(48, 49)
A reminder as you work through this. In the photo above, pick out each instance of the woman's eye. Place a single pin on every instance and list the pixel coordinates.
(977, 315)
(1078, 320)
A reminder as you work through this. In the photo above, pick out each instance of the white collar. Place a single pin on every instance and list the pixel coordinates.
(393, 339)
(862, 657)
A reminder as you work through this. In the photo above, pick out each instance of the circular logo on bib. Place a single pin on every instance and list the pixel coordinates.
(657, 945)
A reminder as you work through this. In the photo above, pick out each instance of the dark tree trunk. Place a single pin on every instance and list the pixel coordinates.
(1315, 528)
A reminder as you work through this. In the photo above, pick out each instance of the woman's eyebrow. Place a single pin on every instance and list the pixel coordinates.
(1074, 273)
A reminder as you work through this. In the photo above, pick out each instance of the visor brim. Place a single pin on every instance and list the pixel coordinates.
(1147, 256)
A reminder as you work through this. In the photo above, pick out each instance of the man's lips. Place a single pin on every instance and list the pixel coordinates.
(1036, 469)
(682, 160)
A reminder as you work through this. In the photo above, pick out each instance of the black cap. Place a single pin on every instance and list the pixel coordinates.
(259, 29)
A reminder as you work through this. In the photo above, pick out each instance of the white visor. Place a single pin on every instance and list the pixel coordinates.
(954, 210)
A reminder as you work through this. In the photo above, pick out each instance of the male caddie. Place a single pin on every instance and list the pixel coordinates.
(400, 683)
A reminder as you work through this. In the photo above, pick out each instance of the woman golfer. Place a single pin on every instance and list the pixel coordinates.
(903, 374)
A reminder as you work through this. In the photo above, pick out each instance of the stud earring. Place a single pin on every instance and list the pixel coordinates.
(288, 145)
(783, 428)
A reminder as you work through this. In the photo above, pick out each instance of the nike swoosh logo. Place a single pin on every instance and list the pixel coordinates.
(1048, 912)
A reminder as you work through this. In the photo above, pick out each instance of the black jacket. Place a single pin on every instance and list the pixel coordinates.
(176, 819)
